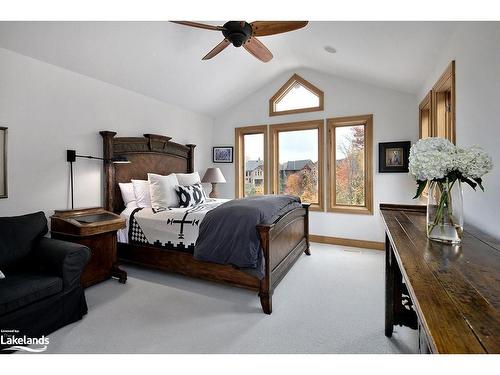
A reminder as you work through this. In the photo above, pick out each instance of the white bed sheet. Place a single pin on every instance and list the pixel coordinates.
(123, 233)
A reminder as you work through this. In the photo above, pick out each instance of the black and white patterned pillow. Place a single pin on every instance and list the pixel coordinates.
(190, 195)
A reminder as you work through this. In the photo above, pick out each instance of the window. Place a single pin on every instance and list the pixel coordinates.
(296, 96)
(425, 126)
(296, 167)
(443, 105)
(251, 161)
(350, 164)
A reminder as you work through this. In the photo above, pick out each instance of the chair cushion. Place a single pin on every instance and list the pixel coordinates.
(18, 234)
(19, 290)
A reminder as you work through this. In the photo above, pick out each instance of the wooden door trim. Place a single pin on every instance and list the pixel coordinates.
(426, 103)
(445, 83)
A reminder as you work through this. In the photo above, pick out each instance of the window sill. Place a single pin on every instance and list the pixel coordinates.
(356, 210)
(316, 207)
(295, 111)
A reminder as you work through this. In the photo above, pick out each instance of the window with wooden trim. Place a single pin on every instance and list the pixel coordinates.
(425, 117)
(251, 161)
(350, 172)
(443, 105)
(295, 96)
(297, 161)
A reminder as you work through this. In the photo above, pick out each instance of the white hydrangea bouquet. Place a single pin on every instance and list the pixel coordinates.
(444, 166)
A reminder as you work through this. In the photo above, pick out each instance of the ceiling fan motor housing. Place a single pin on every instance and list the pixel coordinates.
(237, 32)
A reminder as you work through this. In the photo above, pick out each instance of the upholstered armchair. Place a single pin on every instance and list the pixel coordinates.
(40, 291)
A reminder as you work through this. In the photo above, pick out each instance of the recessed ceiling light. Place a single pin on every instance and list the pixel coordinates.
(330, 49)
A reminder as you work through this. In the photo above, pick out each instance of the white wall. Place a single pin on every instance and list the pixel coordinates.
(395, 119)
(49, 109)
(474, 47)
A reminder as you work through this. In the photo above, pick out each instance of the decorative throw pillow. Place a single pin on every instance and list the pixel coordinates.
(128, 194)
(162, 189)
(2, 276)
(141, 191)
(188, 178)
(190, 196)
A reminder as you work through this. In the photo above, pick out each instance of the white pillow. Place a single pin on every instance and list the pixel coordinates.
(2, 276)
(141, 191)
(128, 194)
(188, 178)
(162, 189)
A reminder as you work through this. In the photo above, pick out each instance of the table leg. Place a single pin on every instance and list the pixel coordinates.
(116, 271)
(389, 288)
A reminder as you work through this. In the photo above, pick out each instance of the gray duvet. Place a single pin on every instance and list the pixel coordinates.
(228, 235)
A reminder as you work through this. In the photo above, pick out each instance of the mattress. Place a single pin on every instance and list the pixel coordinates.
(173, 229)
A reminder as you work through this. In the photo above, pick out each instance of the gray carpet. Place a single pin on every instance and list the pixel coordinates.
(330, 302)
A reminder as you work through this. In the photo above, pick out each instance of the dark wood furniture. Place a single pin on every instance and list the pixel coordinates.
(282, 242)
(95, 228)
(450, 293)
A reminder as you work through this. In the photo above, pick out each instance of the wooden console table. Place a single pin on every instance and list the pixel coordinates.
(451, 294)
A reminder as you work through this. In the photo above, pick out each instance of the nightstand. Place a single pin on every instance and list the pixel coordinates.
(95, 228)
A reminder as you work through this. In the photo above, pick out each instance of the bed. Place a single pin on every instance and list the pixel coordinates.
(282, 242)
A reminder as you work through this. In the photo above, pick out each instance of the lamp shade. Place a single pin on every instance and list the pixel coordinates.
(213, 175)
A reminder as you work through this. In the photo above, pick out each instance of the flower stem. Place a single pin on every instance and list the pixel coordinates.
(444, 200)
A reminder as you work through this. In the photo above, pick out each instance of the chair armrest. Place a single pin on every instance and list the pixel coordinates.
(66, 259)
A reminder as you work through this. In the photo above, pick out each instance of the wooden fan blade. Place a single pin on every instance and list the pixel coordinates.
(263, 28)
(217, 49)
(199, 25)
(256, 48)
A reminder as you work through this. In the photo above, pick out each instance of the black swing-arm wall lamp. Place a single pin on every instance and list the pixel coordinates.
(71, 158)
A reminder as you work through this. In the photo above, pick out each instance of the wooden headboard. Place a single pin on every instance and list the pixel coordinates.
(151, 153)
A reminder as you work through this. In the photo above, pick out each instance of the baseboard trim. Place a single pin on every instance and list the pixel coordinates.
(373, 245)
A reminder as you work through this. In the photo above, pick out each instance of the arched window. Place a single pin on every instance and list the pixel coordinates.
(295, 96)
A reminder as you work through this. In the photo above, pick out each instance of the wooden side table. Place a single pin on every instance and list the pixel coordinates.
(95, 228)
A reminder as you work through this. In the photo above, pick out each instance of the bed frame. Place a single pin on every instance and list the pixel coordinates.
(282, 242)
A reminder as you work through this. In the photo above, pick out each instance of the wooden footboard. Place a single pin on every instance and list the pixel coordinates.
(282, 242)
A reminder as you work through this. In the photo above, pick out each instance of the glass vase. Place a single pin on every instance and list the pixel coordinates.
(445, 219)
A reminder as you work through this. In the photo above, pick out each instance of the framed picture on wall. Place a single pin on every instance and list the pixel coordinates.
(3, 162)
(222, 154)
(393, 157)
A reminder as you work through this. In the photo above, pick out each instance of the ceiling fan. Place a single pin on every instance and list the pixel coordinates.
(241, 33)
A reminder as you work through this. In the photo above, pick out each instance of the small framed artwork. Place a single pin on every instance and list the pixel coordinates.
(222, 154)
(3, 162)
(393, 157)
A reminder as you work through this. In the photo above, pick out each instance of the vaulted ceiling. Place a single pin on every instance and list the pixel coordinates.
(163, 60)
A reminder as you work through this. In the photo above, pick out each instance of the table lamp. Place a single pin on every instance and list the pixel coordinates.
(213, 176)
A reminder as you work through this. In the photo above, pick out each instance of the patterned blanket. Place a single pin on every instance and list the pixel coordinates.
(173, 229)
